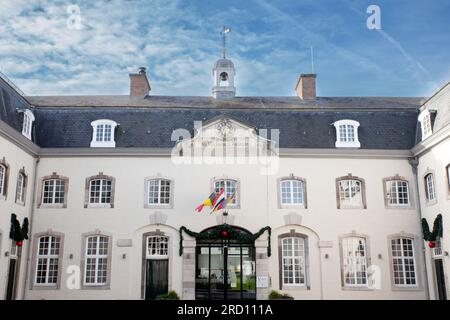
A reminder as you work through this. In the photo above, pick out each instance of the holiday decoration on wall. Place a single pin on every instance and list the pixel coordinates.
(227, 232)
(436, 233)
(17, 233)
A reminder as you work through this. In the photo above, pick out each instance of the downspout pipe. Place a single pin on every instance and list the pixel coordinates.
(30, 241)
(414, 163)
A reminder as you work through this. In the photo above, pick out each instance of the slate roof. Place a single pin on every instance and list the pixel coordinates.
(64, 121)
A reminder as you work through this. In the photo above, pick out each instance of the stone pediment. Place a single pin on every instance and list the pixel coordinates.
(226, 137)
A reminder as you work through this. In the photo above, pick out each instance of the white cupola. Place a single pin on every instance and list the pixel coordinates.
(223, 74)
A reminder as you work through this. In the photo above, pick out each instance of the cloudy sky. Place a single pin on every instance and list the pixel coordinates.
(46, 52)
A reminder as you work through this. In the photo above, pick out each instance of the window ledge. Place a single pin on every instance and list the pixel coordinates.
(20, 203)
(430, 203)
(352, 208)
(45, 287)
(52, 206)
(412, 288)
(355, 144)
(291, 206)
(408, 207)
(158, 206)
(287, 287)
(356, 288)
(110, 144)
(99, 206)
(95, 287)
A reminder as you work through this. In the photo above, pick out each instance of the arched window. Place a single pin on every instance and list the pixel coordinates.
(293, 260)
(100, 191)
(159, 192)
(47, 260)
(397, 192)
(21, 187)
(292, 192)
(354, 261)
(231, 188)
(403, 262)
(157, 247)
(350, 192)
(447, 174)
(97, 260)
(425, 124)
(27, 126)
(347, 134)
(430, 189)
(2, 179)
(54, 191)
(103, 133)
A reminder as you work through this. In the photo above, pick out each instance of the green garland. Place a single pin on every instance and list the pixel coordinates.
(216, 233)
(16, 232)
(437, 229)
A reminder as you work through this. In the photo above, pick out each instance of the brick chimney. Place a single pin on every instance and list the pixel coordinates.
(139, 85)
(306, 86)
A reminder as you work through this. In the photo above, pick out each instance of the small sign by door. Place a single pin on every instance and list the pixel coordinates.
(262, 281)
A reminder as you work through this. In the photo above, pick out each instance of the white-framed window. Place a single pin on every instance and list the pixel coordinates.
(350, 193)
(403, 262)
(157, 247)
(437, 250)
(53, 191)
(100, 191)
(2, 179)
(397, 193)
(425, 124)
(47, 261)
(96, 260)
(103, 133)
(447, 172)
(430, 189)
(292, 192)
(293, 264)
(231, 190)
(354, 256)
(27, 126)
(347, 134)
(20, 189)
(159, 192)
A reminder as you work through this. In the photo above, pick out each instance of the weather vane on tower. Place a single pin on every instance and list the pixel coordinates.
(224, 33)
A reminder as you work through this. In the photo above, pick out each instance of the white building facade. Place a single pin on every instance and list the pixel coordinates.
(330, 207)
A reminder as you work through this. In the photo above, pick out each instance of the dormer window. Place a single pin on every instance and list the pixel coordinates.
(425, 124)
(347, 134)
(28, 119)
(103, 133)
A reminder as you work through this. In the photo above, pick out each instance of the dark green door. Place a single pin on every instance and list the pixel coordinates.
(440, 279)
(11, 280)
(157, 277)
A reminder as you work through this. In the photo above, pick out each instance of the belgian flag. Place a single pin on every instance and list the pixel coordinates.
(208, 202)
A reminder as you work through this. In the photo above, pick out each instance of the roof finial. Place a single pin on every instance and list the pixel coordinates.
(223, 33)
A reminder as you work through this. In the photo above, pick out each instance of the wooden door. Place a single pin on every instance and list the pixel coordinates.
(157, 276)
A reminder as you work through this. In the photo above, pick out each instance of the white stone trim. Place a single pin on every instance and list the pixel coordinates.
(103, 144)
(345, 144)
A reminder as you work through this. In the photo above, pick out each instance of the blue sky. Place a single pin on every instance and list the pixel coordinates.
(270, 44)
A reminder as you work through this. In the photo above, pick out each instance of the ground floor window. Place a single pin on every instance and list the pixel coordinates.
(403, 262)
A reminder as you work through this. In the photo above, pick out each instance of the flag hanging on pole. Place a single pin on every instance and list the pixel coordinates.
(216, 201)
(208, 202)
(219, 201)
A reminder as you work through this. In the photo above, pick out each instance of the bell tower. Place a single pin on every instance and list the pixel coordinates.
(223, 73)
